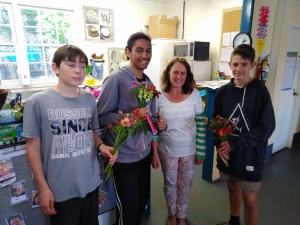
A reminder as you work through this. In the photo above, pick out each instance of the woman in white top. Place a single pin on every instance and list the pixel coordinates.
(182, 145)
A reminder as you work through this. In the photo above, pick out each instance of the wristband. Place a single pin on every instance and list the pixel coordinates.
(99, 145)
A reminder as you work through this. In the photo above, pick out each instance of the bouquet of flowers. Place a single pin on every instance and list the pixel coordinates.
(143, 95)
(123, 128)
(223, 128)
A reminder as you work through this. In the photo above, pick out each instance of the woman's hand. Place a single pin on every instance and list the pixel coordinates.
(161, 122)
(198, 161)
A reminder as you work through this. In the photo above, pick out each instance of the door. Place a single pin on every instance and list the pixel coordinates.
(288, 107)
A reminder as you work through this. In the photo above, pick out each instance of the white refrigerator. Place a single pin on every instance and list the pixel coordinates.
(162, 53)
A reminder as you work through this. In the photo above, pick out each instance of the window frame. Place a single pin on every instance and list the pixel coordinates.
(21, 50)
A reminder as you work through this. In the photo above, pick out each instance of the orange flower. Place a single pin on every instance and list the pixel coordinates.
(223, 128)
(222, 132)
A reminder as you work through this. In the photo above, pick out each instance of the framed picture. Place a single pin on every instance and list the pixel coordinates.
(117, 58)
(98, 24)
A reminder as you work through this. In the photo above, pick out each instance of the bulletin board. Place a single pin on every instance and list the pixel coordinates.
(30, 213)
(231, 21)
(25, 208)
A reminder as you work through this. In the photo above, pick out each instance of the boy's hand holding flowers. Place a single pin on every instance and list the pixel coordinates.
(222, 130)
(144, 94)
(144, 112)
(123, 128)
(107, 151)
(223, 152)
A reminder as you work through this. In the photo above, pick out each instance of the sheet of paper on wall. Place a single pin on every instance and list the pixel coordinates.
(289, 71)
(233, 34)
(224, 67)
(265, 53)
(225, 54)
(226, 39)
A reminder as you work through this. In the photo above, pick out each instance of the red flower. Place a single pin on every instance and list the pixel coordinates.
(222, 132)
(136, 112)
(222, 127)
(151, 88)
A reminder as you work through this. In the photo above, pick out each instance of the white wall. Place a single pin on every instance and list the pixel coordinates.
(129, 17)
(282, 14)
(203, 22)
(291, 15)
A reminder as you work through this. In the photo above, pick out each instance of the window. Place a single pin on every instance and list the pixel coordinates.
(39, 32)
(8, 57)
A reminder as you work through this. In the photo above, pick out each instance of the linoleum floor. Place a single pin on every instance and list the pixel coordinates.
(278, 198)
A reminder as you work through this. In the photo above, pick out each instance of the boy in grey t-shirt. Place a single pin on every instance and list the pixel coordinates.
(59, 126)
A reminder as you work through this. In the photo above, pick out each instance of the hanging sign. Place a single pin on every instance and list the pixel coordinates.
(262, 28)
(260, 43)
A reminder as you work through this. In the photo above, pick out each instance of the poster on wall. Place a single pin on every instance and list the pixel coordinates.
(117, 58)
(289, 71)
(98, 24)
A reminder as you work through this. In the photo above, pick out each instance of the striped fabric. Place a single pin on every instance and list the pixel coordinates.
(200, 137)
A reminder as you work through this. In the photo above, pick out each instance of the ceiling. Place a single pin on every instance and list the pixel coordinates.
(164, 2)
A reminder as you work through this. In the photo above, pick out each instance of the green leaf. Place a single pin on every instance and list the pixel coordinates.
(18, 115)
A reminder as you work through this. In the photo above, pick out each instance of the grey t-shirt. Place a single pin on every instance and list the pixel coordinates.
(68, 153)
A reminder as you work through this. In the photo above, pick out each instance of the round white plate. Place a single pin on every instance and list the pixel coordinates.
(92, 15)
(105, 32)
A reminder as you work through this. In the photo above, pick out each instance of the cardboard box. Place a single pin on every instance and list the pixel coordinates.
(162, 26)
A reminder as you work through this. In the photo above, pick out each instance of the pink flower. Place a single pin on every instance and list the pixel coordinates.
(135, 84)
(124, 128)
(132, 122)
(125, 122)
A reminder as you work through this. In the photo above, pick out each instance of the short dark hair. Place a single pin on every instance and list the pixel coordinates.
(68, 52)
(189, 83)
(245, 51)
(138, 35)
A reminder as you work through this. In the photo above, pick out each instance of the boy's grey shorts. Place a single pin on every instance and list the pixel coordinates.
(244, 185)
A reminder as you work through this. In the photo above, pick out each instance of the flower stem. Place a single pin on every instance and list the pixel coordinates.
(108, 168)
(226, 163)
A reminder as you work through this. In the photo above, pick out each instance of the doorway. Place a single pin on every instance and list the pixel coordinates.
(288, 107)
